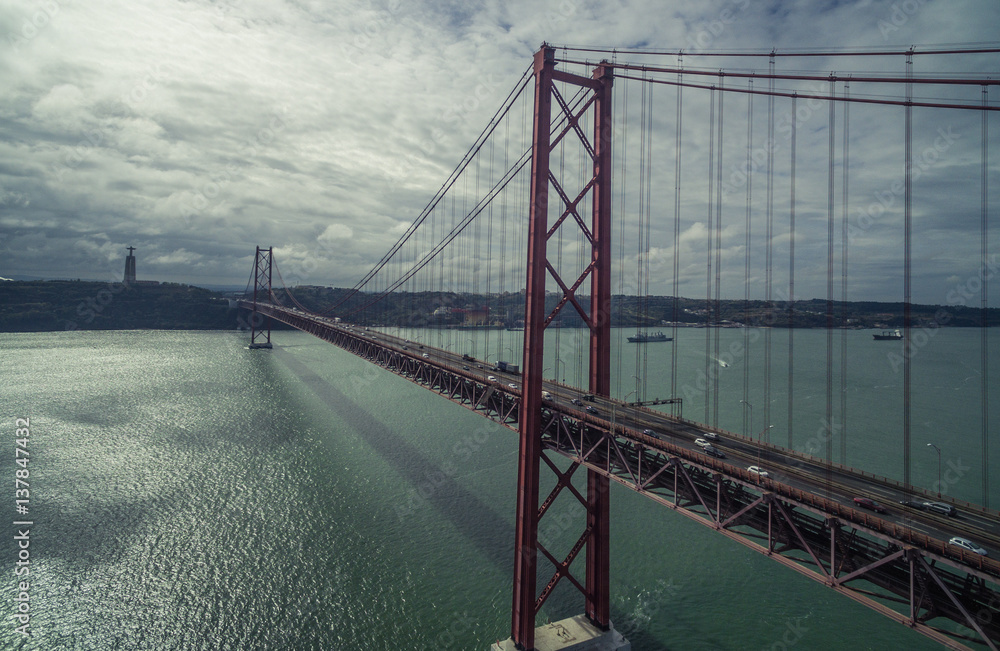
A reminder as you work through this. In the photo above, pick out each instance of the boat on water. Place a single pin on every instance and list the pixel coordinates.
(644, 337)
(887, 335)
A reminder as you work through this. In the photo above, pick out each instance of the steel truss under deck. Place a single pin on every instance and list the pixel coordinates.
(857, 554)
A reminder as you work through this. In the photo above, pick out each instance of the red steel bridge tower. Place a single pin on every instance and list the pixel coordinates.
(261, 337)
(593, 541)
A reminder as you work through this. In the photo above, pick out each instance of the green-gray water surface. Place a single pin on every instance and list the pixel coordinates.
(188, 493)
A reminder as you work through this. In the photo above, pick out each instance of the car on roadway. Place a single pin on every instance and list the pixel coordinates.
(592, 410)
(465, 368)
(871, 505)
(967, 544)
(942, 508)
(512, 385)
(913, 505)
(491, 378)
(711, 436)
(577, 401)
(425, 355)
(649, 432)
(701, 442)
(713, 451)
(757, 470)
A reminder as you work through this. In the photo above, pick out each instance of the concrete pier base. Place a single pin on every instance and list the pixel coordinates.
(573, 634)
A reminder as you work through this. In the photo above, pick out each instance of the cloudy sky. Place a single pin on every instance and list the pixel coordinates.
(195, 130)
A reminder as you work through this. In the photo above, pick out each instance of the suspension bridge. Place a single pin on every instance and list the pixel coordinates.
(725, 176)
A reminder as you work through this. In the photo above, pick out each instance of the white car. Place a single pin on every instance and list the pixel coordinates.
(757, 470)
(491, 378)
(701, 443)
(965, 543)
(512, 385)
(711, 436)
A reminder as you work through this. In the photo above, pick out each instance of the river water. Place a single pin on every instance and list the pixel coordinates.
(188, 493)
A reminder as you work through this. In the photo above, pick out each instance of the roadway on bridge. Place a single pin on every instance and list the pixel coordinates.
(793, 469)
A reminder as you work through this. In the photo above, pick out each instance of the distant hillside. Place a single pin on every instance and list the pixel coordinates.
(35, 306)
(444, 309)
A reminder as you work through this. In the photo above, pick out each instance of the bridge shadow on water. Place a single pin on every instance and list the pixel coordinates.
(451, 499)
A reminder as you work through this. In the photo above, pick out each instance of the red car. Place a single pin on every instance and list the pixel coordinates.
(866, 503)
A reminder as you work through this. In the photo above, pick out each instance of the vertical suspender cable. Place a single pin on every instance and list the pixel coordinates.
(791, 276)
(456, 257)
(406, 253)
(829, 277)
(490, 303)
(449, 268)
(476, 231)
(746, 259)
(649, 219)
(421, 246)
(460, 262)
(984, 302)
(428, 275)
(675, 311)
(503, 249)
(442, 214)
(431, 286)
(559, 249)
(522, 200)
(710, 368)
(907, 226)
(641, 307)
(845, 174)
(621, 221)
(477, 259)
(448, 222)
(769, 235)
(718, 248)
(582, 247)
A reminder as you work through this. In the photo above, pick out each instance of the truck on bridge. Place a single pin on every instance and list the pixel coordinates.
(508, 368)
